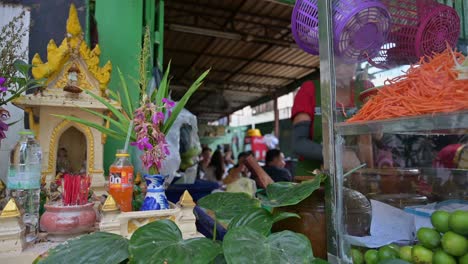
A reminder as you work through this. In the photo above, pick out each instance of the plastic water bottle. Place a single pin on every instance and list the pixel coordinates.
(24, 180)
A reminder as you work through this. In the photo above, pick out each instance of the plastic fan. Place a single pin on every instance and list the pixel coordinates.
(360, 27)
(419, 28)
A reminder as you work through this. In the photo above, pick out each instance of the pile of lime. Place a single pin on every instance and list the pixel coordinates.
(446, 243)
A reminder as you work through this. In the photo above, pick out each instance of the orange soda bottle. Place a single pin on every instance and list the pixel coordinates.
(121, 181)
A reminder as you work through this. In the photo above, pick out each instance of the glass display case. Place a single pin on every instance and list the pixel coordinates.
(395, 119)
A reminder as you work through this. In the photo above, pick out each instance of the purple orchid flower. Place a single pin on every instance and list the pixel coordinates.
(142, 143)
(168, 103)
(2, 82)
(157, 117)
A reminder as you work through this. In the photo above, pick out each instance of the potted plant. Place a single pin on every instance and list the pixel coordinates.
(248, 239)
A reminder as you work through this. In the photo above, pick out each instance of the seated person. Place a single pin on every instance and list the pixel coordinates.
(205, 159)
(239, 170)
(216, 171)
(275, 166)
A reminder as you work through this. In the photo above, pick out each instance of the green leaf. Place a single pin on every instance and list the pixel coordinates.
(22, 67)
(228, 205)
(163, 88)
(258, 219)
(246, 245)
(128, 103)
(161, 241)
(107, 118)
(97, 247)
(281, 194)
(278, 216)
(181, 104)
(115, 111)
(100, 128)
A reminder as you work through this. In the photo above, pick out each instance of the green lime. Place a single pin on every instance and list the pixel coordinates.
(458, 222)
(421, 255)
(394, 247)
(428, 237)
(440, 257)
(387, 252)
(405, 253)
(464, 259)
(357, 256)
(440, 221)
(454, 244)
(371, 256)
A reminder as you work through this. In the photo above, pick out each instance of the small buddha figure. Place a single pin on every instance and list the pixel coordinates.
(54, 193)
(63, 163)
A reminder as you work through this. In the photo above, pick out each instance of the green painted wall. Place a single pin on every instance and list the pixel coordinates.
(120, 28)
(227, 139)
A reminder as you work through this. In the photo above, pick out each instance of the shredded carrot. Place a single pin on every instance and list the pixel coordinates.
(429, 87)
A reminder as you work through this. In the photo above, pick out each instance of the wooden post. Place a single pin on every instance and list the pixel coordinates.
(276, 113)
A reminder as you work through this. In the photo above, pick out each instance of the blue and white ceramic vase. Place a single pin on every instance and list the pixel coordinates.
(155, 198)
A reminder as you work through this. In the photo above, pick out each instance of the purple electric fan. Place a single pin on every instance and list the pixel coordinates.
(360, 27)
(419, 28)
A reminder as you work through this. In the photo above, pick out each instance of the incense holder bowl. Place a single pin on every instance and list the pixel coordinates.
(62, 222)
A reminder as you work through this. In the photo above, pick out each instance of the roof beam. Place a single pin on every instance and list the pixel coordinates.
(287, 89)
(212, 8)
(239, 73)
(237, 58)
(229, 35)
(217, 89)
(279, 24)
(209, 44)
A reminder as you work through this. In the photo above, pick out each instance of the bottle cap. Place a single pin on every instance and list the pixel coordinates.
(26, 132)
(122, 155)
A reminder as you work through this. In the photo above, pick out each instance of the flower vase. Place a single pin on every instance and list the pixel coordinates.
(155, 198)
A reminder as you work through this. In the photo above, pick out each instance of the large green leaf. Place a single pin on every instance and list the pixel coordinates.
(181, 104)
(98, 247)
(162, 242)
(278, 216)
(100, 128)
(280, 194)
(259, 219)
(246, 245)
(228, 205)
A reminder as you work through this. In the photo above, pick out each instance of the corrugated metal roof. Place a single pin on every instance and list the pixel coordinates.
(246, 43)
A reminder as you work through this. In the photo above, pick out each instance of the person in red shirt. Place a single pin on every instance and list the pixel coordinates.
(303, 115)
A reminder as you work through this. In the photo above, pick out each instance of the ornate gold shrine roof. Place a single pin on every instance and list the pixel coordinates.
(70, 69)
(72, 52)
